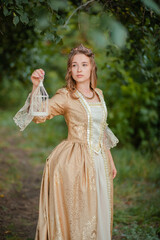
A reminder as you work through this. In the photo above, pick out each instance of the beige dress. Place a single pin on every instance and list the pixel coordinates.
(76, 196)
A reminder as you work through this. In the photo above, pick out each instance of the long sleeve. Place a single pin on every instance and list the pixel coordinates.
(110, 140)
(56, 106)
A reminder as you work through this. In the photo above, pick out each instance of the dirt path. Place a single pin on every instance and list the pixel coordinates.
(19, 200)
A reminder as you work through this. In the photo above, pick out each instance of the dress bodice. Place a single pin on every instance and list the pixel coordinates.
(96, 121)
(86, 121)
(97, 115)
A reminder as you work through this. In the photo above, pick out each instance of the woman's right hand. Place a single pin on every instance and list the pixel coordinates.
(37, 76)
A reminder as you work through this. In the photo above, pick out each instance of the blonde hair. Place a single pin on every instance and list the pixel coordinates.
(70, 82)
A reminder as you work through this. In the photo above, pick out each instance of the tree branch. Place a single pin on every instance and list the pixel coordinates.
(83, 5)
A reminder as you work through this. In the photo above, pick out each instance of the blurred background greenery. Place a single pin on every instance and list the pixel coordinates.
(125, 37)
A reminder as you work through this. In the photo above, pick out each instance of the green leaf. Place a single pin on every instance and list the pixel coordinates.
(19, 11)
(24, 18)
(49, 36)
(151, 4)
(58, 5)
(118, 32)
(58, 39)
(5, 11)
(43, 22)
(98, 37)
(15, 20)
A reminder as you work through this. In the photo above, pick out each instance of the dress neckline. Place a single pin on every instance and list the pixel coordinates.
(92, 103)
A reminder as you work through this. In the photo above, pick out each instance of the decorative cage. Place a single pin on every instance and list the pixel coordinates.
(39, 101)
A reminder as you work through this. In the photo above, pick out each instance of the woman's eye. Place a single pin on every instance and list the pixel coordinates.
(75, 65)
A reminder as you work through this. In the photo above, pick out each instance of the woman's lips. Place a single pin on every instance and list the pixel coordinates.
(79, 75)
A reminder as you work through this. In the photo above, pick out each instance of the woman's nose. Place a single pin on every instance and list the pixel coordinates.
(79, 69)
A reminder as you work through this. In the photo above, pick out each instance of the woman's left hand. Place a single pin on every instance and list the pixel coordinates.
(114, 171)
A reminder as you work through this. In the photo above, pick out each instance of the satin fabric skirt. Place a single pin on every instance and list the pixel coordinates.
(103, 227)
(74, 197)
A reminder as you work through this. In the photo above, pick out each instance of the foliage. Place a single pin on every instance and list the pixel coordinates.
(125, 39)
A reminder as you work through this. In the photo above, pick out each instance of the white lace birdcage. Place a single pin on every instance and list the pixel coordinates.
(39, 101)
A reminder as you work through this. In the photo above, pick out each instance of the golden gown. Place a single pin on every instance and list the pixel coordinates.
(76, 196)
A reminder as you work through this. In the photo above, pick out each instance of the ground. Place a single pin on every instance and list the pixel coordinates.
(20, 195)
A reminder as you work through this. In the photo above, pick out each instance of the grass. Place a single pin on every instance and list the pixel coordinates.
(136, 196)
(136, 191)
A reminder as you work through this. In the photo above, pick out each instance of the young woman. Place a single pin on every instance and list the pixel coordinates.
(76, 196)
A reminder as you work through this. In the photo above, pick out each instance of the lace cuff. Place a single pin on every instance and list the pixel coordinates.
(23, 117)
(110, 139)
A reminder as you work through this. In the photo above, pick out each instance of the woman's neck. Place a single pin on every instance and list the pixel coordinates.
(84, 87)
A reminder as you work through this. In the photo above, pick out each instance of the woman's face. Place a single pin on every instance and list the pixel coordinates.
(81, 68)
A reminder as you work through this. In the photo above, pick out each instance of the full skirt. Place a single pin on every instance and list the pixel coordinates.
(76, 196)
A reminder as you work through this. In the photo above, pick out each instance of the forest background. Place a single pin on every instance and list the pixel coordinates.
(125, 37)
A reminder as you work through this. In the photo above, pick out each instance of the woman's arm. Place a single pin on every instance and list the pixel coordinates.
(114, 171)
(110, 141)
(56, 106)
